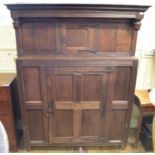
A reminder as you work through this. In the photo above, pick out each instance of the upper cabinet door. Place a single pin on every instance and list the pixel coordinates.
(77, 37)
(77, 99)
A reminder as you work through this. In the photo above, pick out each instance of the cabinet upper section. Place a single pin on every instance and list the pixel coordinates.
(76, 29)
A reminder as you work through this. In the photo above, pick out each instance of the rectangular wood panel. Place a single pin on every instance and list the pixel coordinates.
(37, 38)
(64, 87)
(63, 123)
(121, 81)
(36, 125)
(115, 37)
(90, 123)
(116, 130)
(31, 77)
(91, 87)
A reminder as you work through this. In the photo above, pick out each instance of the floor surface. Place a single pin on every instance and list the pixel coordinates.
(128, 149)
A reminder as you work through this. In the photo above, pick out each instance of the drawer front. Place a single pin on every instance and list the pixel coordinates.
(4, 93)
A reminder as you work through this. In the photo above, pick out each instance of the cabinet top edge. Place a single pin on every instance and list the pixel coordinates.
(101, 7)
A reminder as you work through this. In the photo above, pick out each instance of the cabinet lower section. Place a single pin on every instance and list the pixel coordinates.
(76, 104)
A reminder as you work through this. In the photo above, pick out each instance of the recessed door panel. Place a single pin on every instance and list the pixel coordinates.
(36, 125)
(64, 87)
(92, 87)
(90, 122)
(77, 37)
(32, 78)
(64, 123)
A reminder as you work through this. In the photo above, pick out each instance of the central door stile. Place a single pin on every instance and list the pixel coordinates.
(45, 102)
(104, 84)
(105, 99)
(77, 110)
(50, 98)
(109, 94)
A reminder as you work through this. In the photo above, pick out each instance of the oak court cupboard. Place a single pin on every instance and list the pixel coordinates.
(76, 72)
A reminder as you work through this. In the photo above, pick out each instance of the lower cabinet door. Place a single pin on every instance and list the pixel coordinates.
(35, 120)
(77, 100)
(117, 116)
(89, 104)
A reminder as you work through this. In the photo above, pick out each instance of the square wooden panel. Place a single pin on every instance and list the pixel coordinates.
(77, 37)
(37, 38)
(115, 37)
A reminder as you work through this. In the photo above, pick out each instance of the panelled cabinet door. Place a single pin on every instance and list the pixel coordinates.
(35, 108)
(118, 108)
(77, 101)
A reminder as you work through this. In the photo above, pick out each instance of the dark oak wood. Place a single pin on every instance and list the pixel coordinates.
(76, 72)
(51, 29)
(8, 105)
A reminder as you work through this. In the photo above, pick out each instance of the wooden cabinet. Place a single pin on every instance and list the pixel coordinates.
(76, 72)
(7, 102)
